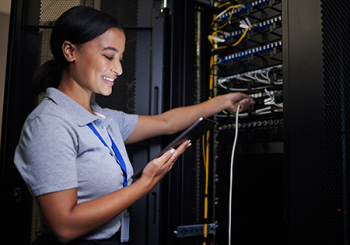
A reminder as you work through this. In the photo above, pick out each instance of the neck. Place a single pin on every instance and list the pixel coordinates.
(69, 87)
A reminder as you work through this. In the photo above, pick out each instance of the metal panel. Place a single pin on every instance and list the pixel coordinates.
(336, 120)
(303, 102)
(16, 202)
(145, 225)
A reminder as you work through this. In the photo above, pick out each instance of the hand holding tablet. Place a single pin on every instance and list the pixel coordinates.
(194, 132)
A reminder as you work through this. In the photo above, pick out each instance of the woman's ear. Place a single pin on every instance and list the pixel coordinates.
(69, 51)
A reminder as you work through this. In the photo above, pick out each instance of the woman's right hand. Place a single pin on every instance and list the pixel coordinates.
(157, 168)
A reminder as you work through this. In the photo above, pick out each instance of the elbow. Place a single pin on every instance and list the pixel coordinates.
(63, 236)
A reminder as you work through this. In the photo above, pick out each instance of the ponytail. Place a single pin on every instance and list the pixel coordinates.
(48, 75)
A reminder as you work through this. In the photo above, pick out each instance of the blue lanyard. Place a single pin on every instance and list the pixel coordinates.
(118, 157)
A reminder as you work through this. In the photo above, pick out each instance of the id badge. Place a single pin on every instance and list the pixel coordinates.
(124, 229)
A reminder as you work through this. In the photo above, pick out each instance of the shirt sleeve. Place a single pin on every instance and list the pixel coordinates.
(46, 155)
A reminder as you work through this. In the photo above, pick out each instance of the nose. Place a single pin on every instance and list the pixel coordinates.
(117, 68)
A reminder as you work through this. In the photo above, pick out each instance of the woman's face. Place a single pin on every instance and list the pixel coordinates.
(97, 63)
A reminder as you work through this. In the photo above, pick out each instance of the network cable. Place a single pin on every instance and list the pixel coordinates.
(259, 76)
(244, 24)
(231, 177)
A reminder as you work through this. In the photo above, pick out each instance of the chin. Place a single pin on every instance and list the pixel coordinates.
(106, 92)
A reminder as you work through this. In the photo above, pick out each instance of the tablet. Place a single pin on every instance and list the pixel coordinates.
(194, 132)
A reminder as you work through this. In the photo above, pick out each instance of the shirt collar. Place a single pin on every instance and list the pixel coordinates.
(78, 113)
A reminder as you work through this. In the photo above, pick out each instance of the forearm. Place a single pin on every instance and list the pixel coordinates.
(69, 220)
(90, 215)
(69, 224)
(182, 117)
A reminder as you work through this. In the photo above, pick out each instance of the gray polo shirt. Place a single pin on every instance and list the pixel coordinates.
(58, 151)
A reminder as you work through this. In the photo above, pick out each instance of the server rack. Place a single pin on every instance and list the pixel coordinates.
(251, 64)
(278, 194)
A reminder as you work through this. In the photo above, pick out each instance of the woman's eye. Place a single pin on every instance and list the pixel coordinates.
(109, 58)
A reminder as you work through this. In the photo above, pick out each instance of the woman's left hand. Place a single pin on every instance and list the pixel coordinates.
(235, 99)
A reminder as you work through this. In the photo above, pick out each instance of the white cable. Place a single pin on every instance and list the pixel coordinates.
(243, 79)
(267, 70)
(240, 89)
(259, 80)
(248, 75)
(237, 6)
(263, 109)
(246, 114)
(231, 177)
(221, 40)
(264, 76)
(219, 15)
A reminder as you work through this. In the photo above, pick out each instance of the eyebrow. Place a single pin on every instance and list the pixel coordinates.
(111, 48)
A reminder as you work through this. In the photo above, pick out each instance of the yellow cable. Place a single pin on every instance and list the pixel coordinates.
(220, 6)
(207, 166)
(214, 33)
(241, 38)
(232, 11)
(203, 146)
(205, 140)
(222, 26)
(221, 47)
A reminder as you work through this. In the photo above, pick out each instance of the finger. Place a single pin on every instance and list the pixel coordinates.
(243, 96)
(172, 155)
(172, 151)
(245, 103)
(179, 150)
(164, 159)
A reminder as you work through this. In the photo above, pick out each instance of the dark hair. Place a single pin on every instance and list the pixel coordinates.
(77, 25)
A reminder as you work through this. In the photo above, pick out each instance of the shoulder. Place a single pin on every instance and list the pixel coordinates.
(49, 119)
(50, 111)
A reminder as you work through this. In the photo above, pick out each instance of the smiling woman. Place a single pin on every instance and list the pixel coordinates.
(72, 153)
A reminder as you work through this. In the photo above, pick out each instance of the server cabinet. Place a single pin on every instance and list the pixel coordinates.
(278, 179)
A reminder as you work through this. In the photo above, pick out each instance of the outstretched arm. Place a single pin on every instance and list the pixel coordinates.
(178, 119)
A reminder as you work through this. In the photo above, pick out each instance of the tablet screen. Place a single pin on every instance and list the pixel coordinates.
(194, 132)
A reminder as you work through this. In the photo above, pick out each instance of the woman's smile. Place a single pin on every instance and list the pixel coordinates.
(108, 78)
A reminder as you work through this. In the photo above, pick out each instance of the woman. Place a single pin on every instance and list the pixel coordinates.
(69, 145)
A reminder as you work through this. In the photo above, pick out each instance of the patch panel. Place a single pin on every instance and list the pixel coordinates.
(252, 124)
(247, 53)
(243, 76)
(256, 26)
(243, 10)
